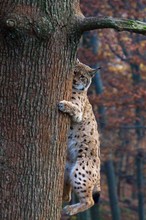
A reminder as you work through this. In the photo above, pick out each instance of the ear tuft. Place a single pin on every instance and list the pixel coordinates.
(94, 71)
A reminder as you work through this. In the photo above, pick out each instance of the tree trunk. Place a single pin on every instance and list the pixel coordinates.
(140, 185)
(35, 74)
(112, 189)
(140, 133)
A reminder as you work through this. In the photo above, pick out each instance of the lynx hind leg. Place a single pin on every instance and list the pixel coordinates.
(84, 204)
(66, 192)
(67, 186)
(82, 182)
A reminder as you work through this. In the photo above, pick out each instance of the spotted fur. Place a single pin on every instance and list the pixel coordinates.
(82, 172)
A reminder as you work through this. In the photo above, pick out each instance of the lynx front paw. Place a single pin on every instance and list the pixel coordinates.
(63, 106)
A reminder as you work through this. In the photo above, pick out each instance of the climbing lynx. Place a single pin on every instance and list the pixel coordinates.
(82, 172)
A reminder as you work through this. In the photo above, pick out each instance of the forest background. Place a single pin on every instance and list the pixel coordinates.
(118, 96)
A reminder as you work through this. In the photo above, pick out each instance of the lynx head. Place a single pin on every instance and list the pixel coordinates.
(82, 76)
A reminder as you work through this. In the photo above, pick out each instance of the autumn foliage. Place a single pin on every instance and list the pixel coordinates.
(122, 58)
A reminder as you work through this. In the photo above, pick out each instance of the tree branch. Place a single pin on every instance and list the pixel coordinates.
(92, 23)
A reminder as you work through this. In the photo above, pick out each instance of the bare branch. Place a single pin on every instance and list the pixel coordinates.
(92, 23)
(117, 54)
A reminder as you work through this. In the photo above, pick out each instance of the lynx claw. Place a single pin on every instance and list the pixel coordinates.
(61, 106)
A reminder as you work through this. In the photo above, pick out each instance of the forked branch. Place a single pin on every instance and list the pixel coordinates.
(92, 23)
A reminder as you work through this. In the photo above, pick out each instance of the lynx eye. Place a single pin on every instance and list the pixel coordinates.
(81, 77)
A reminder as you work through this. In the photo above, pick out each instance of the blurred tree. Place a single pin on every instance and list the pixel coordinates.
(112, 189)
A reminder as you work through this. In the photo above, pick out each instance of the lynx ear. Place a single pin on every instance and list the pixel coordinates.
(77, 65)
(94, 71)
(77, 61)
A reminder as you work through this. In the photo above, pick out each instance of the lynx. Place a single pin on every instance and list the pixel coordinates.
(82, 172)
